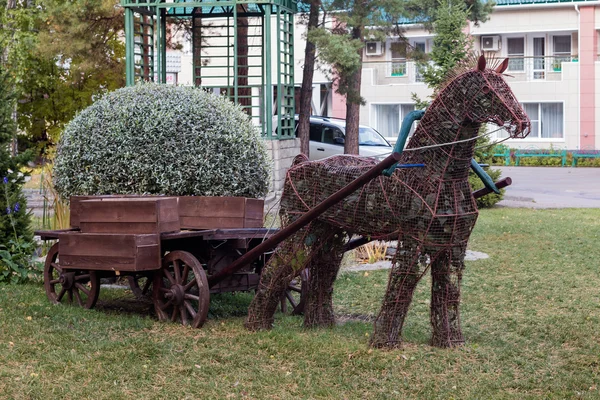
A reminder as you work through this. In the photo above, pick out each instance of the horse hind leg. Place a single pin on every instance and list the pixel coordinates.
(289, 257)
(323, 269)
(446, 275)
(407, 270)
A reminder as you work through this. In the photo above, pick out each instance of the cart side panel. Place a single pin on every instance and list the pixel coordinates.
(75, 209)
(129, 215)
(254, 213)
(109, 252)
(201, 212)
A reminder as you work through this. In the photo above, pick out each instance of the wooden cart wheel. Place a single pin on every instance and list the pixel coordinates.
(181, 290)
(139, 285)
(66, 285)
(296, 293)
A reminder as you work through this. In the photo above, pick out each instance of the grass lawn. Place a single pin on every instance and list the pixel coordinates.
(531, 318)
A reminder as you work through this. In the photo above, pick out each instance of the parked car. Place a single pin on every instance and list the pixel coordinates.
(327, 137)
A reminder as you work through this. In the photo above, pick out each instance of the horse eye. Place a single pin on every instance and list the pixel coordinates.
(485, 89)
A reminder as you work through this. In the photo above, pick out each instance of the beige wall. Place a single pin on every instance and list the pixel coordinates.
(527, 20)
(565, 91)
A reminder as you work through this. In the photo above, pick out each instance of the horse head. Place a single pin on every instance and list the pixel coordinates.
(481, 95)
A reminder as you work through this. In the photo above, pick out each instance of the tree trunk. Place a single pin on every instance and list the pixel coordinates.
(353, 100)
(304, 110)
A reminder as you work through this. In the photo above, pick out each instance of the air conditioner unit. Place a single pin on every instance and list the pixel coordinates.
(490, 43)
(373, 49)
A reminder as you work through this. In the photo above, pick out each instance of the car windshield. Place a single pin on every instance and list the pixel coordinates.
(370, 137)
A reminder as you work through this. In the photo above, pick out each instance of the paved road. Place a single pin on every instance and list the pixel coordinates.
(552, 187)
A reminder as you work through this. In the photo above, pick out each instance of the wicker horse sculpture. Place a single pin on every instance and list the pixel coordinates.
(430, 209)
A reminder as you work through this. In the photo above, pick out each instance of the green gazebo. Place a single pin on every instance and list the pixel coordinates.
(241, 49)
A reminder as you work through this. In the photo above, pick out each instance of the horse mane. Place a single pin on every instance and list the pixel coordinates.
(468, 64)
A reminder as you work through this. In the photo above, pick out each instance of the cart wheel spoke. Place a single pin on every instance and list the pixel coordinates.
(189, 285)
(291, 300)
(147, 286)
(81, 287)
(183, 314)
(54, 281)
(61, 294)
(83, 277)
(134, 284)
(56, 267)
(190, 309)
(169, 276)
(186, 272)
(78, 296)
(176, 268)
(163, 307)
(191, 297)
(296, 293)
(70, 295)
(174, 314)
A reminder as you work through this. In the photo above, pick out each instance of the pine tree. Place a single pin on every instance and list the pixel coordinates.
(452, 44)
(359, 20)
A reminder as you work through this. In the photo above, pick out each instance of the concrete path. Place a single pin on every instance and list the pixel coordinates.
(552, 187)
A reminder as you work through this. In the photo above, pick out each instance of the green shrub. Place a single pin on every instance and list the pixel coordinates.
(588, 162)
(490, 199)
(160, 139)
(16, 236)
(541, 161)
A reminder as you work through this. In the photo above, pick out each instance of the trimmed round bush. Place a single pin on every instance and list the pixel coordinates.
(160, 139)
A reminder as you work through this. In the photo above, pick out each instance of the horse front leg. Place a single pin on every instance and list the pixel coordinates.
(289, 257)
(407, 270)
(323, 269)
(446, 274)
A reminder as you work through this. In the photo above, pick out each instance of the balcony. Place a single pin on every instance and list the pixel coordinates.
(405, 71)
(548, 68)
(401, 71)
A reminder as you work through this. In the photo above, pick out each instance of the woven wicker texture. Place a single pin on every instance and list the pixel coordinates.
(430, 210)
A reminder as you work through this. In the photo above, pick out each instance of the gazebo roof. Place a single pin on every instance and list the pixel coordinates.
(186, 8)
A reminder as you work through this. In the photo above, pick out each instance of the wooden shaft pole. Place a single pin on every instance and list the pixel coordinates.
(305, 219)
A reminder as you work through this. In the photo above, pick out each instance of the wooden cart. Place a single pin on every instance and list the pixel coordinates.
(168, 245)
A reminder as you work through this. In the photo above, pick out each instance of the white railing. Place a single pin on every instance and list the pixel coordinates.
(405, 71)
(395, 71)
(538, 68)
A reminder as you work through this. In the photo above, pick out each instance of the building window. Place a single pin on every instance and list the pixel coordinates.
(388, 118)
(546, 120)
(561, 46)
(398, 52)
(420, 49)
(516, 53)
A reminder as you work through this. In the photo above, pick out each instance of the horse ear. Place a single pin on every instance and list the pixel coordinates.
(502, 67)
(481, 63)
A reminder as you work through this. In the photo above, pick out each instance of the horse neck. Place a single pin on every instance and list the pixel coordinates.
(450, 153)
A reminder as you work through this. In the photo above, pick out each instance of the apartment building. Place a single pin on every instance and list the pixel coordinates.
(552, 47)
